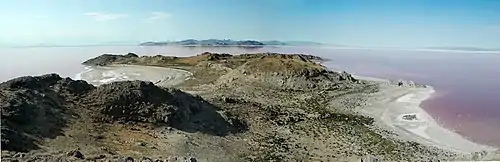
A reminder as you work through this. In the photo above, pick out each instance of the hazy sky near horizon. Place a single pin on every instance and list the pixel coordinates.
(401, 23)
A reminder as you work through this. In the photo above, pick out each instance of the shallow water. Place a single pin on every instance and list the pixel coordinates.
(467, 84)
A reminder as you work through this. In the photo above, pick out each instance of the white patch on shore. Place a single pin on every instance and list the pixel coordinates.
(104, 81)
(161, 76)
(392, 103)
(78, 76)
(416, 126)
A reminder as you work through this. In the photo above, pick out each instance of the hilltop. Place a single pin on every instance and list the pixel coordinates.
(51, 114)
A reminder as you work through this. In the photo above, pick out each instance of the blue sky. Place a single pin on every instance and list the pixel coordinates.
(400, 23)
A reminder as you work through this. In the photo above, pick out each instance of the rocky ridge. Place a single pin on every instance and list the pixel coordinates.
(293, 71)
(35, 109)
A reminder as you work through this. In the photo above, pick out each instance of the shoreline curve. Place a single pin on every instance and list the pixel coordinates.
(160, 76)
(399, 110)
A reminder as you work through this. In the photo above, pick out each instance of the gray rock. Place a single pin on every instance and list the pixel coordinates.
(76, 153)
(127, 159)
(141, 143)
(410, 117)
(229, 100)
(146, 159)
(370, 158)
(406, 83)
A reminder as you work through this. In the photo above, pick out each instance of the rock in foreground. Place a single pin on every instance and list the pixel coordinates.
(41, 107)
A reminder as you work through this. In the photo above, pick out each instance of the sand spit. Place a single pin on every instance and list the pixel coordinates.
(398, 109)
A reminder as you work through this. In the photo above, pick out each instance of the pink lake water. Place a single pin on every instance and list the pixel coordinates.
(467, 84)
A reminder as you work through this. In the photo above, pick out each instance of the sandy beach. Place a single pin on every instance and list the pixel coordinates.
(398, 109)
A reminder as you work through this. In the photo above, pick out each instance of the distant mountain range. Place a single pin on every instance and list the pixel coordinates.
(228, 42)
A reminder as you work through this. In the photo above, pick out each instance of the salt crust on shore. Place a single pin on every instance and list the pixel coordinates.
(391, 103)
(98, 75)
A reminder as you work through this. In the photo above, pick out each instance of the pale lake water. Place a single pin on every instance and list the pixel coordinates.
(467, 97)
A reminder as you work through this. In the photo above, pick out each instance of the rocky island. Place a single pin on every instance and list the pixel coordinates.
(229, 42)
(207, 42)
(247, 107)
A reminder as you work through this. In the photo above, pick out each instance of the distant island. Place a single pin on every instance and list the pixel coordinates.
(228, 42)
(463, 48)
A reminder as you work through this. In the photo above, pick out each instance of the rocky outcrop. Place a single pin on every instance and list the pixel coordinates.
(75, 155)
(108, 59)
(294, 72)
(406, 83)
(138, 101)
(36, 108)
(288, 71)
(410, 117)
(279, 55)
(159, 60)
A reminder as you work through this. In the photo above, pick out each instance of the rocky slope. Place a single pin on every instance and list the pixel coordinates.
(41, 108)
(249, 107)
(294, 72)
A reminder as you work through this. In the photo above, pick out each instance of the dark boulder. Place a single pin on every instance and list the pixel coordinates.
(127, 159)
(146, 159)
(76, 153)
(347, 77)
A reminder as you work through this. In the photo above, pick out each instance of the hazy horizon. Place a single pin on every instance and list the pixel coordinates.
(471, 50)
(384, 23)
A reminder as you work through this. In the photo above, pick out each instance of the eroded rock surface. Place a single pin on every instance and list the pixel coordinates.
(35, 109)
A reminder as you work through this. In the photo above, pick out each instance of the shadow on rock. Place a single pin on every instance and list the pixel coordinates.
(36, 108)
(32, 110)
(139, 101)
